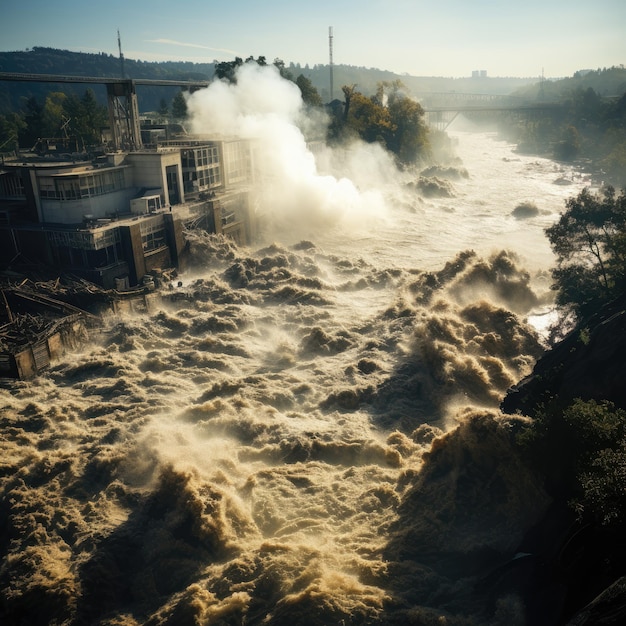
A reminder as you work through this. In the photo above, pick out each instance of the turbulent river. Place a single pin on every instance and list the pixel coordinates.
(309, 434)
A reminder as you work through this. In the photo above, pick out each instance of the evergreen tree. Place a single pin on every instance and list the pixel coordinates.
(163, 108)
(179, 106)
(34, 124)
(310, 95)
(86, 118)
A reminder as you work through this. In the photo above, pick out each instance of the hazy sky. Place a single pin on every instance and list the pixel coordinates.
(422, 38)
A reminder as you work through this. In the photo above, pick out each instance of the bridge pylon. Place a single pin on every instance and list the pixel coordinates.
(441, 119)
(124, 115)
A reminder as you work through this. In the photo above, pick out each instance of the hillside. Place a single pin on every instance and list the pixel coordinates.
(576, 442)
(41, 60)
(608, 82)
(52, 61)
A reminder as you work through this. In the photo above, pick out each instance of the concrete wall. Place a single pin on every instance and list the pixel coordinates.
(73, 211)
(175, 237)
(150, 170)
(157, 259)
(132, 247)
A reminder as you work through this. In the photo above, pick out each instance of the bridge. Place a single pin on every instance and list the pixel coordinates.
(121, 100)
(442, 109)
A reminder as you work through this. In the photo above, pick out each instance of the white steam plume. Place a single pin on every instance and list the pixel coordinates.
(293, 195)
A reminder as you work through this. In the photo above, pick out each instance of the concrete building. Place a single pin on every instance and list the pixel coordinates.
(120, 217)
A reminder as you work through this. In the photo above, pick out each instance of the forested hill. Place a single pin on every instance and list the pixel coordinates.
(606, 82)
(41, 60)
(52, 61)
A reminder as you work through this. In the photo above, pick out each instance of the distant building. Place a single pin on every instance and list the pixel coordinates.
(120, 217)
(479, 73)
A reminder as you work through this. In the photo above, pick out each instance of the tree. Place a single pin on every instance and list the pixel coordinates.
(94, 118)
(409, 140)
(179, 106)
(348, 92)
(34, 123)
(284, 72)
(589, 241)
(581, 450)
(569, 146)
(309, 93)
(389, 118)
(11, 125)
(163, 108)
(53, 114)
(227, 70)
(87, 117)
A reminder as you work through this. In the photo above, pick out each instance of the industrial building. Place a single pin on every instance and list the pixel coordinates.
(117, 218)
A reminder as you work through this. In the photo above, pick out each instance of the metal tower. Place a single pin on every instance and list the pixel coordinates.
(119, 45)
(330, 49)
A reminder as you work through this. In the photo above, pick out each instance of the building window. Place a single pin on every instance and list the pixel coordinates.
(210, 177)
(11, 186)
(81, 186)
(237, 164)
(86, 249)
(153, 235)
(84, 239)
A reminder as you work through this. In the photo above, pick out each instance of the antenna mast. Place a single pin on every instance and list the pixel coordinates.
(330, 50)
(541, 91)
(119, 45)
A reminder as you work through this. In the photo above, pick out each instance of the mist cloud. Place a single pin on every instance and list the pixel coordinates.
(293, 195)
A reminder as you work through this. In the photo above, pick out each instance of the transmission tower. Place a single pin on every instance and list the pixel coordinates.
(330, 50)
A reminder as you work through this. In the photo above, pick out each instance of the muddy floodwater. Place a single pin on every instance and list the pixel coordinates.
(260, 450)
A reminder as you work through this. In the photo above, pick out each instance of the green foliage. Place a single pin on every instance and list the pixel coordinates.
(409, 140)
(86, 117)
(41, 60)
(390, 118)
(34, 123)
(604, 486)
(589, 241)
(590, 123)
(370, 120)
(612, 158)
(53, 114)
(310, 96)
(62, 116)
(227, 70)
(582, 452)
(569, 147)
(179, 106)
(11, 125)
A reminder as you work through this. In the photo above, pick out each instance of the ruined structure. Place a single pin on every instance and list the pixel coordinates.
(36, 329)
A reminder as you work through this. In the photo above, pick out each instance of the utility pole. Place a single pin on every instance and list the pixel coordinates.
(119, 45)
(330, 49)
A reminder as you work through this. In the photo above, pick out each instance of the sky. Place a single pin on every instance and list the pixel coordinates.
(448, 38)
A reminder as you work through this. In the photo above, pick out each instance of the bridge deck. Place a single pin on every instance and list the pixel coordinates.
(101, 80)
